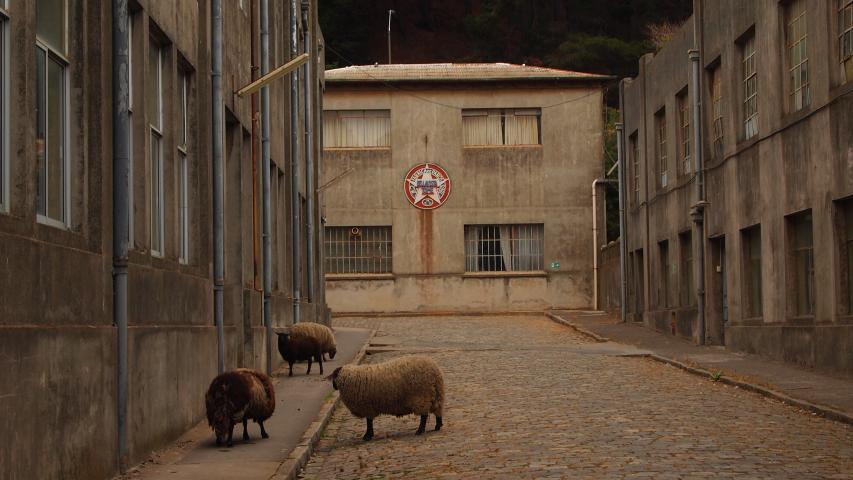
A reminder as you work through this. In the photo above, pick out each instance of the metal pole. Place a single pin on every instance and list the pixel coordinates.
(218, 179)
(121, 213)
(697, 212)
(265, 178)
(390, 12)
(295, 227)
(310, 187)
(623, 237)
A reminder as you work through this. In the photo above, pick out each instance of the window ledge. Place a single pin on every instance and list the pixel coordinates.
(359, 149)
(359, 276)
(502, 146)
(536, 273)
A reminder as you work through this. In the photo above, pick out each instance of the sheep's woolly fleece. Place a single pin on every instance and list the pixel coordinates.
(402, 386)
(321, 333)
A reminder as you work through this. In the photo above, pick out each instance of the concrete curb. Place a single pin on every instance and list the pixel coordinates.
(824, 411)
(438, 313)
(578, 328)
(299, 456)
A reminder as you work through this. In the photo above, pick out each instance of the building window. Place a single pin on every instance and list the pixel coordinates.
(635, 167)
(506, 126)
(717, 110)
(183, 168)
(356, 128)
(686, 242)
(751, 238)
(845, 38)
(684, 133)
(663, 282)
(54, 180)
(796, 36)
(154, 100)
(750, 88)
(4, 112)
(358, 249)
(845, 236)
(504, 248)
(801, 263)
(660, 129)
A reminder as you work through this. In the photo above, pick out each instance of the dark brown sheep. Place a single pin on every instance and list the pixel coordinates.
(297, 349)
(240, 394)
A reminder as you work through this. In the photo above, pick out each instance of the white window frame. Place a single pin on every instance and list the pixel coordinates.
(156, 136)
(662, 154)
(352, 250)
(504, 253)
(65, 222)
(4, 108)
(504, 113)
(183, 178)
(750, 76)
(799, 97)
(717, 110)
(684, 133)
(845, 58)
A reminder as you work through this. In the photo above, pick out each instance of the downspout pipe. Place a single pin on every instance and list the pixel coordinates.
(218, 179)
(697, 212)
(595, 245)
(623, 230)
(265, 179)
(121, 213)
(256, 241)
(310, 187)
(295, 204)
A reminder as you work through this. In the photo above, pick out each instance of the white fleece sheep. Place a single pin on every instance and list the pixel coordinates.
(402, 386)
(321, 333)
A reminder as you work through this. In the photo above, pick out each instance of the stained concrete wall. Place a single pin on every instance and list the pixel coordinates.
(57, 341)
(547, 184)
(799, 160)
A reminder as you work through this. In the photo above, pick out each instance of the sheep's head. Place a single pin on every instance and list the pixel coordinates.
(333, 352)
(334, 376)
(219, 408)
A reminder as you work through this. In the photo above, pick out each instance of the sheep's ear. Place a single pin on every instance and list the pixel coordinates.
(334, 374)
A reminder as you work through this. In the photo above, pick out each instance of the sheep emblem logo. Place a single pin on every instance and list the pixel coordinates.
(427, 186)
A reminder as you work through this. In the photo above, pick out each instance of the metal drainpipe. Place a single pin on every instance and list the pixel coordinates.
(697, 212)
(623, 230)
(295, 227)
(256, 245)
(265, 178)
(310, 187)
(595, 245)
(218, 179)
(121, 213)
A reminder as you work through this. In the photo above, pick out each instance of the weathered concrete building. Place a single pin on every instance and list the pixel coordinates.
(460, 186)
(778, 162)
(57, 339)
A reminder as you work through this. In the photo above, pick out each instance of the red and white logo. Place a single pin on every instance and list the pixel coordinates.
(427, 186)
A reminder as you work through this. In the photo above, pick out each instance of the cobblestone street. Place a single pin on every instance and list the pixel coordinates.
(527, 398)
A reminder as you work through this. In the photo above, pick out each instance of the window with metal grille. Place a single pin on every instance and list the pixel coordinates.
(684, 133)
(154, 100)
(751, 238)
(844, 228)
(183, 167)
(635, 167)
(660, 124)
(717, 109)
(845, 38)
(801, 263)
(356, 128)
(750, 88)
(358, 249)
(504, 248)
(796, 37)
(503, 126)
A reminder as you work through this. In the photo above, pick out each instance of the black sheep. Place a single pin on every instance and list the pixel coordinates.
(298, 349)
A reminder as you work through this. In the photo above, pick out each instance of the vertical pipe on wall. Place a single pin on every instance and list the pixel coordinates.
(265, 178)
(310, 187)
(256, 246)
(623, 231)
(698, 210)
(121, 212)
(295, 204)
(217, 108)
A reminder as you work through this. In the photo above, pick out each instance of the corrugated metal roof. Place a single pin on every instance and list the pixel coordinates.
(454, 72)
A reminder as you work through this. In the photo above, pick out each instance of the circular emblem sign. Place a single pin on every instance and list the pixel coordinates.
(427, 186)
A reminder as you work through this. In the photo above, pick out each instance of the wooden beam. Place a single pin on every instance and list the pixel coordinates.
(269, 77)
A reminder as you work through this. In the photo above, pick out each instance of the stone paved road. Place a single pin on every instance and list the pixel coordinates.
(525, 400)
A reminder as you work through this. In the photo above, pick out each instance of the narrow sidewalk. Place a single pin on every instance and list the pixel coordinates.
(820, 392)
(299, 400)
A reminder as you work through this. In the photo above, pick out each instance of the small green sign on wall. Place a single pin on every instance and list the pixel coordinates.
(555, 265)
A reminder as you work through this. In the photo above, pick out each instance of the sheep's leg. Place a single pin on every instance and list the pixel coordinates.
(438, 423)
(263, 431)
(369, 433)
(291, 369)
(245, 428)
(320, 361)
(230, 442)
(422, 426)
(309, 366)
